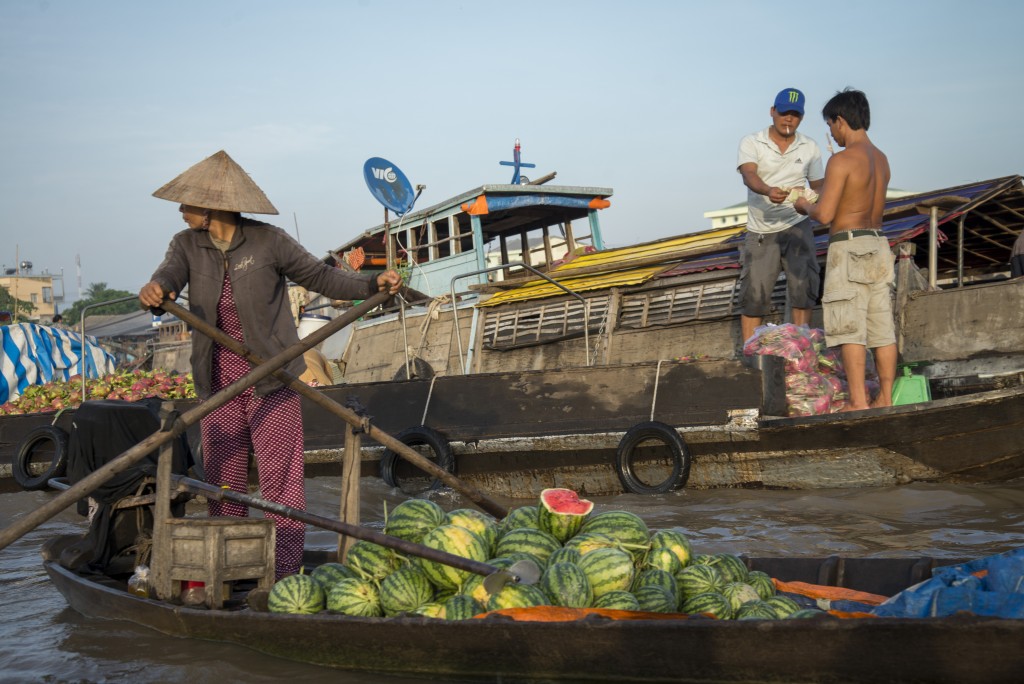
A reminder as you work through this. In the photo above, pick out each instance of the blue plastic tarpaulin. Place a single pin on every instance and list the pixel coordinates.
(991, 587)
(37, 354)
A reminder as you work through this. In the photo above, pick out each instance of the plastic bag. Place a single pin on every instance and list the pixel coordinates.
(991, 586)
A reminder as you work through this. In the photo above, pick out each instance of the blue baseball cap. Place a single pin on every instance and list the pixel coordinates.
(790, 100)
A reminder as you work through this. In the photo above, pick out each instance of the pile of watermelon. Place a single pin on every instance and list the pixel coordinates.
(605, 560)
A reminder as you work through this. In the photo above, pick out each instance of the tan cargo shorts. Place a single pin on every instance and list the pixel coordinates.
(857, 302)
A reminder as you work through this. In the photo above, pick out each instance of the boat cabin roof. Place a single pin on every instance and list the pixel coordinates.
(505, 210)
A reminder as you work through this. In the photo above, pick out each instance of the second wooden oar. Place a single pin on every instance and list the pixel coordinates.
(93, 480)
(469, 491)
(521, 572)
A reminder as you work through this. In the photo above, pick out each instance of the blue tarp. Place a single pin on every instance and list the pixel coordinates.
(37, 354)
(992, 587)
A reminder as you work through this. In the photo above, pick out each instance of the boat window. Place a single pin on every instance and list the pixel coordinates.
(464, 229)
(543, 323)
(442, 234)
(706, 300)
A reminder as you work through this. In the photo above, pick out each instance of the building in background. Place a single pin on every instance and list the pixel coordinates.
(45, 291)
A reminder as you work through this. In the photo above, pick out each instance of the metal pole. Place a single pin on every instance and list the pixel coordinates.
(357, 531)
(933, 248)
(960, 251)
(85, 343)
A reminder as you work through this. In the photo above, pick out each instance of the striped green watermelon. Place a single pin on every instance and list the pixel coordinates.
(585, 542)
(562, 512)
(782, 605)
(805, 613)
(442, 595)
(699, 579)
(474, 585)
(329, 573)
(564, 555)
(675, 542)
(405, 590)
(608, 570)
(524, 516)
(657, 578)
(412, 519)
(617, 600)
(297, 594)
(755, 610)
(733, 569)
(567, 585)
(462, 607)
(624, 527)
(739, 593)
(655, 599)
(517, 596)
(371, 561)
(661, 559)
(475, 521)
(354, 596)
(708, 602)
(430, 610)
(535, 542)
(762, 582)
(702, 559)
(457, 541)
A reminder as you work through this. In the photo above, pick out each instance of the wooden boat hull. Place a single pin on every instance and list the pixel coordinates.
(513, 434)
(957, 649)
(970, 438)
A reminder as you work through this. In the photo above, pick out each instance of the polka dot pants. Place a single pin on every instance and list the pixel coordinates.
(271, 426)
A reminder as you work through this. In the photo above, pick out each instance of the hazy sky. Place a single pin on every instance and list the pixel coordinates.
(103, 102)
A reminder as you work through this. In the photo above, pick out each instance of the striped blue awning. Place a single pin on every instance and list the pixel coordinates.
(37, 354)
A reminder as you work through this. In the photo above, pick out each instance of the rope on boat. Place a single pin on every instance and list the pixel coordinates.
(430, 393)
(657, 377)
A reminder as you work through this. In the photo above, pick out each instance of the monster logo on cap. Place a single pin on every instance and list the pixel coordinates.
(789, 100)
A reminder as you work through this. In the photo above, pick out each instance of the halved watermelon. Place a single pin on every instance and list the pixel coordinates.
(562, 512)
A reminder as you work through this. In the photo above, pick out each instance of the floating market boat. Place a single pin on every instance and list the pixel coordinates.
(591, 646)
(523, 642)
(621, 368)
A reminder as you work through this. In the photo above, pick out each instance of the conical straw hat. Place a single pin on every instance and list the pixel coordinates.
(217, 182)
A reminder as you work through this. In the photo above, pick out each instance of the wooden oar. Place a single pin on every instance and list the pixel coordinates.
(348, 415)
(93, 480)
(521, 572)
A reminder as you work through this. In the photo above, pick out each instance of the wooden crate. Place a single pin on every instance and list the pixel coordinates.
(217, 551)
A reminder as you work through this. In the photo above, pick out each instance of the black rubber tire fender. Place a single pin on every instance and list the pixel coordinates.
(652, 431)
(420, 369)
(418, 435)
(21, 465)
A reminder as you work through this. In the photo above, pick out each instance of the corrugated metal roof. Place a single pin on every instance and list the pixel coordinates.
(990, 207)
(601, 281)
(617, 262)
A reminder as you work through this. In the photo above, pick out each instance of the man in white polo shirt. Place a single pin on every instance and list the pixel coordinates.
(773, 162)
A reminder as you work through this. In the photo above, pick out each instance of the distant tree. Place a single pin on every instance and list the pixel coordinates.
(97, 293)
(9, 303)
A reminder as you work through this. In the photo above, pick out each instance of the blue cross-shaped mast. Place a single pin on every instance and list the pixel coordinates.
(517, 163)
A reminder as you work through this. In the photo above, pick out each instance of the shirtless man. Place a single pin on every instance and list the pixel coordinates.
(859, 272)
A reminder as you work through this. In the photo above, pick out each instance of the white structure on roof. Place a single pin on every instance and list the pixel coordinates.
(736, 214)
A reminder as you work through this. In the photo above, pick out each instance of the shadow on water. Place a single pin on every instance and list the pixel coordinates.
(41, 639)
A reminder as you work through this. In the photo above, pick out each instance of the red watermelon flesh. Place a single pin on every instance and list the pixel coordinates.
(565, 501)
(562, 512)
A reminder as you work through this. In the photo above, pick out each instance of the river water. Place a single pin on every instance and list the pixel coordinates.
(42, 640)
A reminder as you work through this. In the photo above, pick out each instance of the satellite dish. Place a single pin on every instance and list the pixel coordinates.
(389, 185)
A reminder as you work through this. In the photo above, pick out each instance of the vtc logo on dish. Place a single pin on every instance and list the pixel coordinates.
(387, 174)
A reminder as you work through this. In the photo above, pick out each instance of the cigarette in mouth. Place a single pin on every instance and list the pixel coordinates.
(787, 130)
